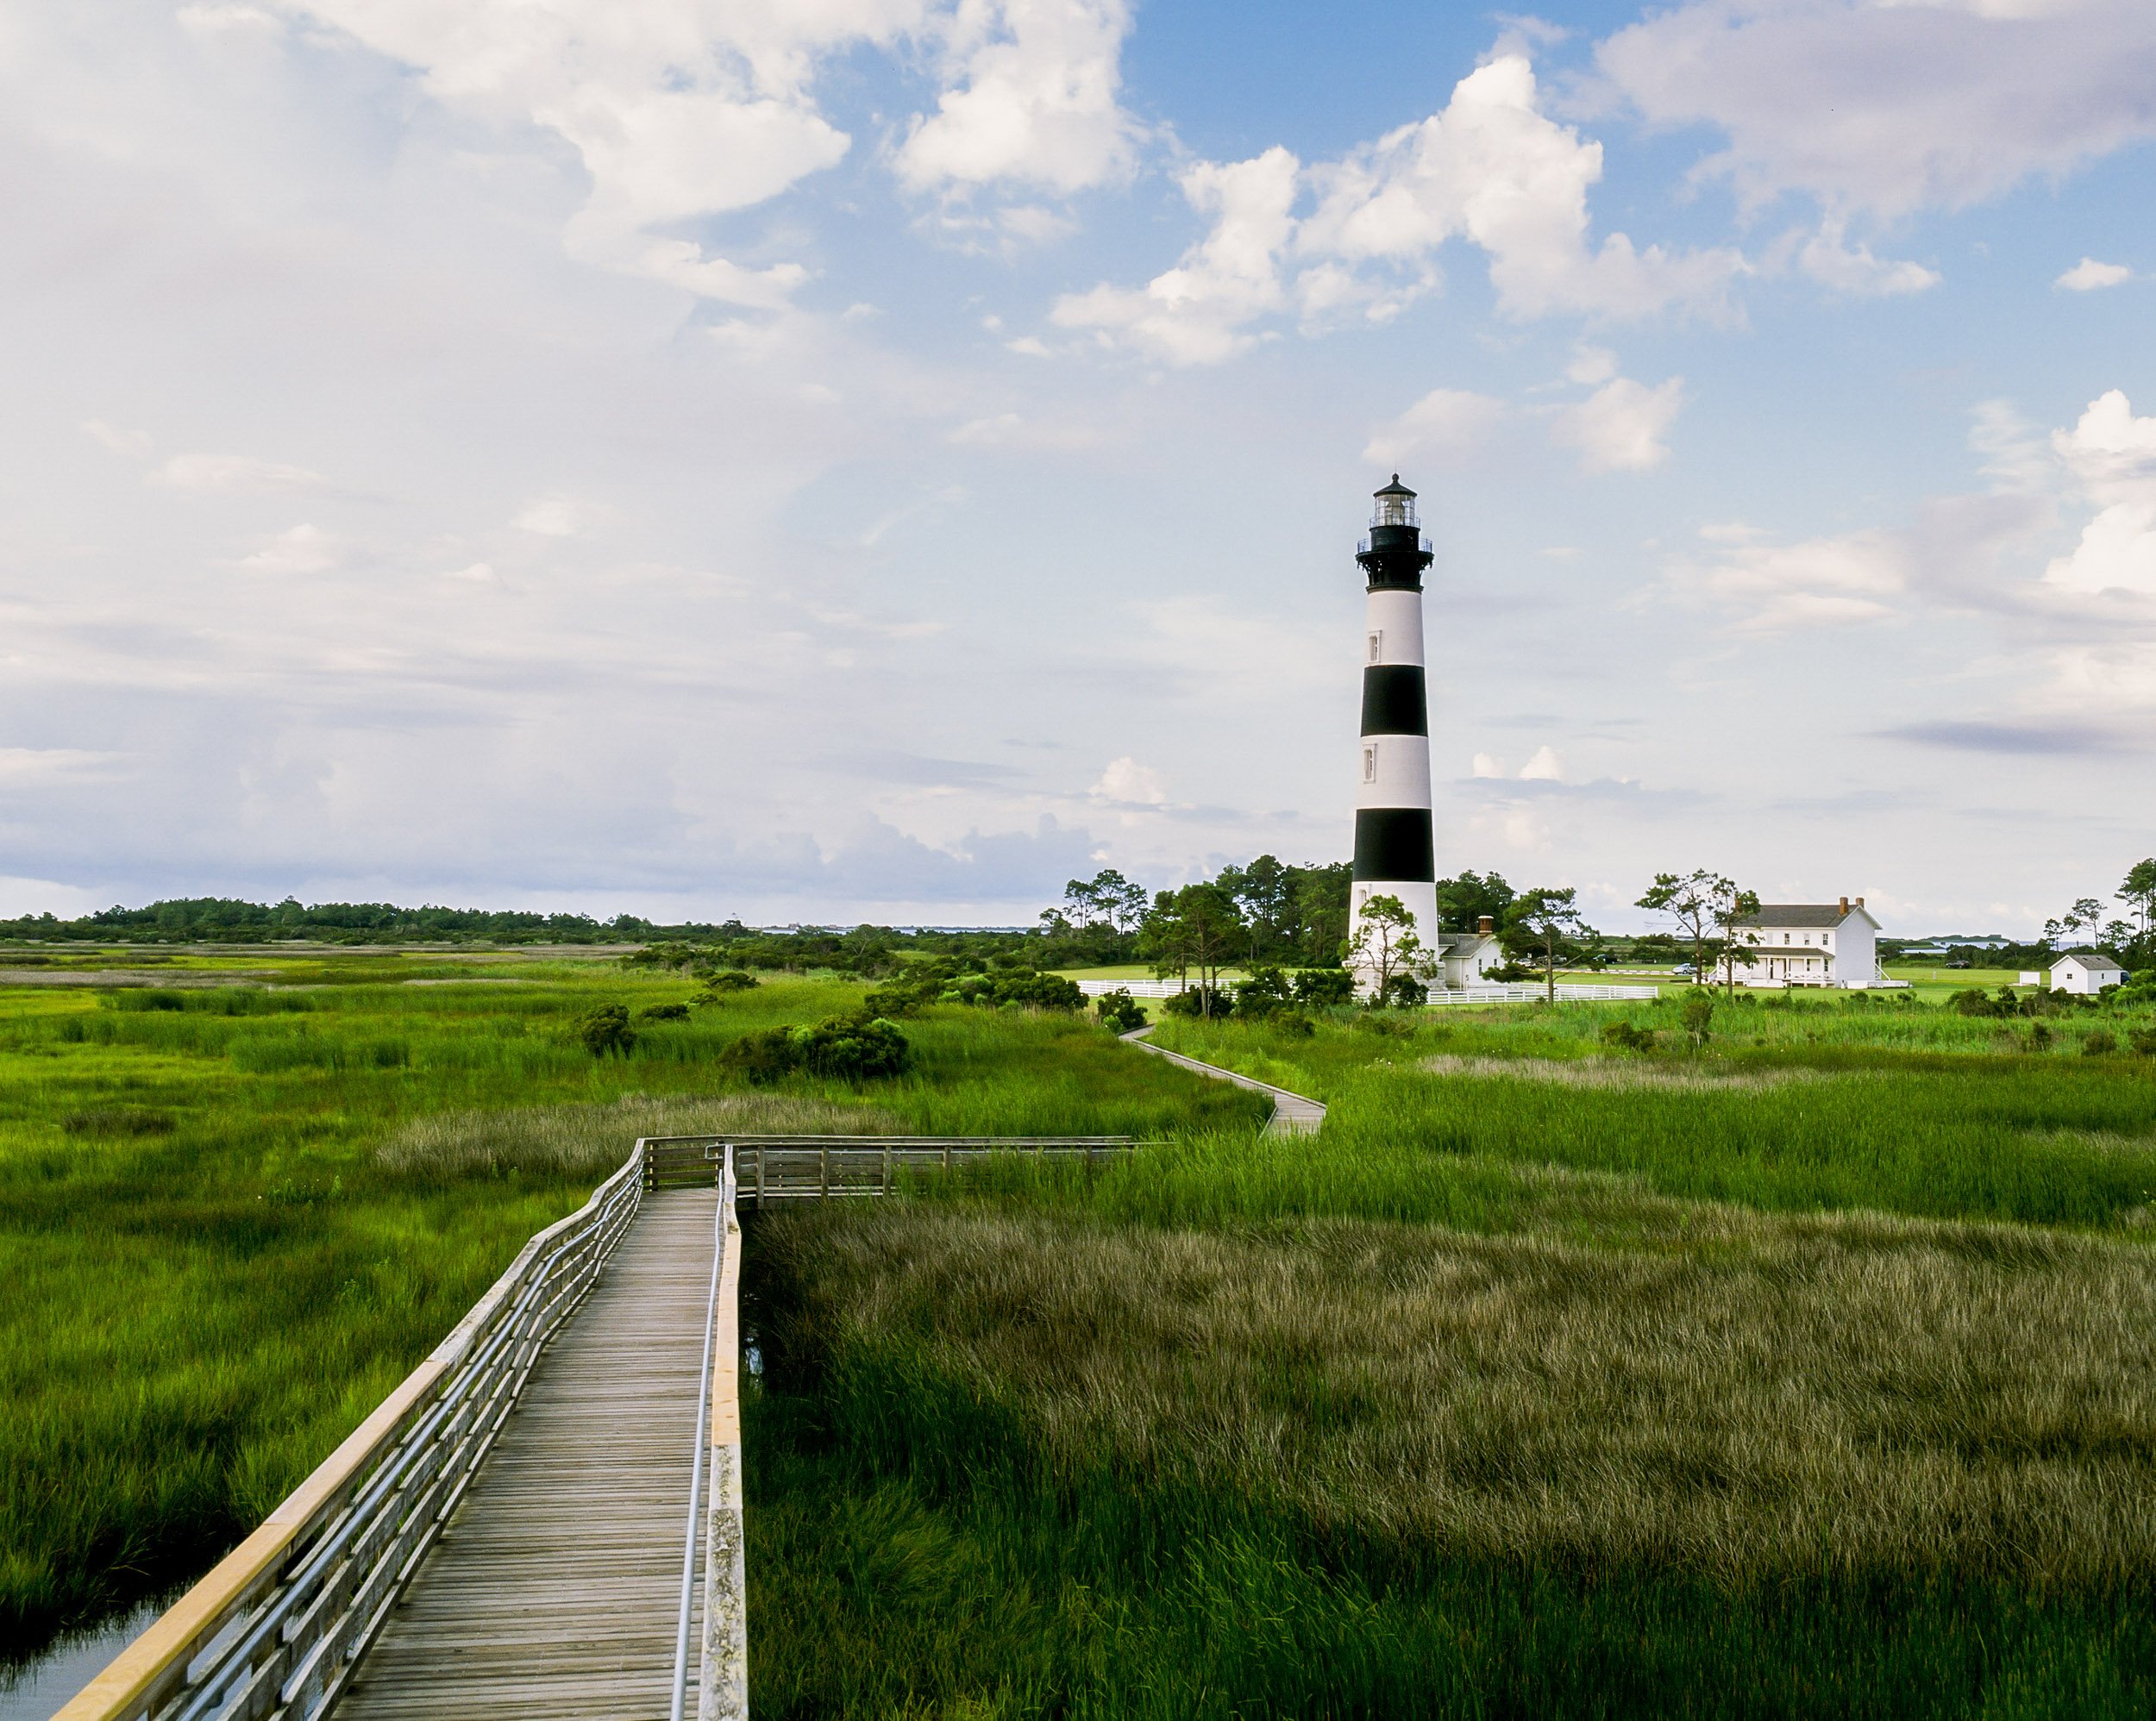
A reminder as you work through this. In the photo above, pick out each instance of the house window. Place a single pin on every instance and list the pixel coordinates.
(1370, 765)
(1377, 645)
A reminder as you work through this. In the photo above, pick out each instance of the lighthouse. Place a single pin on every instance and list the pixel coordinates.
(1394, 853)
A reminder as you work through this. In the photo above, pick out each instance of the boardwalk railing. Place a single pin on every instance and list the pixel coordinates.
(821, 1167)
(275, 1628)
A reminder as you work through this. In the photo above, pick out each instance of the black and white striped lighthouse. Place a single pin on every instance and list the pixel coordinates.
(1395, 854)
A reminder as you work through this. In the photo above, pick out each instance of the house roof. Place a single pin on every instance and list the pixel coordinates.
(1801, 915)
(2090, 960)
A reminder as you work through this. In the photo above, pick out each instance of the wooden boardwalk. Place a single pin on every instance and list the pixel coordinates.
(555, 1589)
(1292, 1113)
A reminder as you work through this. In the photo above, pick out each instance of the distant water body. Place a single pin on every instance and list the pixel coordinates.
(35, 1690)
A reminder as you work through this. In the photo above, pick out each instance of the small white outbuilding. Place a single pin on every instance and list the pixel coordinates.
(2085, 971)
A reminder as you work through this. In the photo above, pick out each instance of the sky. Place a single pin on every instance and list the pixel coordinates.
(838, 460)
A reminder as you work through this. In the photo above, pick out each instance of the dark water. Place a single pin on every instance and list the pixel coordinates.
(35, 1690)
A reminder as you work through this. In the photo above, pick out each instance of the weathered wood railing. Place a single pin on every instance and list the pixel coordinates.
(276, 1627)
(822, 1168)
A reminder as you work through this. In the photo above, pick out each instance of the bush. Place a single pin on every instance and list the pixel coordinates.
(1200, 1001)
(2143, 1041)
(1266, 991)
(1625, 1037)
(1120, 1011)
(1973, 1001)
(843, 1048)
(715, 986)
(2096, 1045)
(1697, 1013)
(606, 1030)
(1291, 1022)
(1405, 992)
(1320, 988)
(663, 1012)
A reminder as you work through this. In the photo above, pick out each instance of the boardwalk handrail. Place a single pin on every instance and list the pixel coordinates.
(722, 1688)
(696, 1469)
(277, 1624)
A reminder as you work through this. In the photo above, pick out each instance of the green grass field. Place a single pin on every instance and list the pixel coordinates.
(1811, 1374)
(233, 1217)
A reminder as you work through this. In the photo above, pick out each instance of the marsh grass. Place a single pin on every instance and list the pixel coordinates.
(1636, 1455)
(228, 1228)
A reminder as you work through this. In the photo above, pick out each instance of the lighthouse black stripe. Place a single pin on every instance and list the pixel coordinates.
(1393, 843)
(1393, 704)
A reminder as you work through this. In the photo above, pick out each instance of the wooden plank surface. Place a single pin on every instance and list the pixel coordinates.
(553, 1590)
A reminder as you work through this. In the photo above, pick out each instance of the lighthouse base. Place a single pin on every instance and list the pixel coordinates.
(1419, 898)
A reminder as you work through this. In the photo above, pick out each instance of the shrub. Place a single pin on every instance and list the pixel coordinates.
(715, 986)
(2143, 1041)
(1291, 1022)
(1625, 1037)
(1266, 991)
(1405, 992)
(1973, 1001)
(2096, 1045)
(1697, 1013)
(2039, 1037)
(1318, 988)
(1200, 1001)
(1120, 1011)
(663, 1012)
(841, 1049)
(606, 1030)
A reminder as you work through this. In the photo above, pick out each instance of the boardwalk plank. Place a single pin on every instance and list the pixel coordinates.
(552, 1592)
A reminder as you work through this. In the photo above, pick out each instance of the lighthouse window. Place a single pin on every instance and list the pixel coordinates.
(1377, 645)
(1370, 765)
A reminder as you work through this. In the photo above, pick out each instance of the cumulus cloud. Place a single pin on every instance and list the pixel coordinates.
(303, 549)
(2088, 275)
(1621, 427)
(1545, 767)
(1127, 783)
(2112, 454)
(134, 444)
(1855, 577)
(1886, 109)
(1829, 258)
(234, 472)
(1448, 427)
(1197, 312)
(1031, 99)
(677, 109)
(1489, 168)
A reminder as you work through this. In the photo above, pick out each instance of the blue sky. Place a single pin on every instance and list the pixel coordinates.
(879, 458)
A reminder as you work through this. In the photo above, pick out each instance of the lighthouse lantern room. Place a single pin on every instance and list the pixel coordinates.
(1394, 853)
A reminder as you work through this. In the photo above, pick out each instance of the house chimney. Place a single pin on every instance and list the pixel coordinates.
(1859, 902)
(1845, 905)
(1485, 925)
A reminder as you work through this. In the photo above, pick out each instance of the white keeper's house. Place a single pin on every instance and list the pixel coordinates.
(1812, 944)
(2085, 971)
(1465, 958)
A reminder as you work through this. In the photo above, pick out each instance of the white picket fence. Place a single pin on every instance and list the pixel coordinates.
(1484, 994)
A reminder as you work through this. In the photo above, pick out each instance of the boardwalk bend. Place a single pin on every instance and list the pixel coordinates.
(544, 1520)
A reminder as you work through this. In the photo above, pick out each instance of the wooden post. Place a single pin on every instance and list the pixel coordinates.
(947, 1158)
(760, 1152)
(886, 1169)
(824, 1173)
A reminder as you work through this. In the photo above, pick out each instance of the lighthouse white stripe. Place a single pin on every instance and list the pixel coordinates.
(1395, 771)
(1392, 625)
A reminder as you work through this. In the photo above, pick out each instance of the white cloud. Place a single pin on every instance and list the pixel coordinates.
(234, 472)
(1031, 99)
(1195, 313)
(1545, 767)
(1488, 765)
(1127, 783)
(1448, 427)
(303, 549)
(555, 516)
(23, 765)
(677, 109)
(1621, 427)
(1887, 109)
(1492, 168)
(1820, 582)
(1590, 366)
(136, 444)
(2112, 454)
(1830, 260)
(1489, 168)
(2088, 275)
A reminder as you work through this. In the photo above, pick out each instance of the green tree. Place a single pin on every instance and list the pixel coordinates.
(1386, 947)
(2139, 893)
(1544, 922)
(1463, 901)
(1707, 910)
(606, 1031)
(1196, 927)
(1320, 911)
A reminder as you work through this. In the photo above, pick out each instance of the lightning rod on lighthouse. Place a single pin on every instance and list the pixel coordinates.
(1394, 853)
